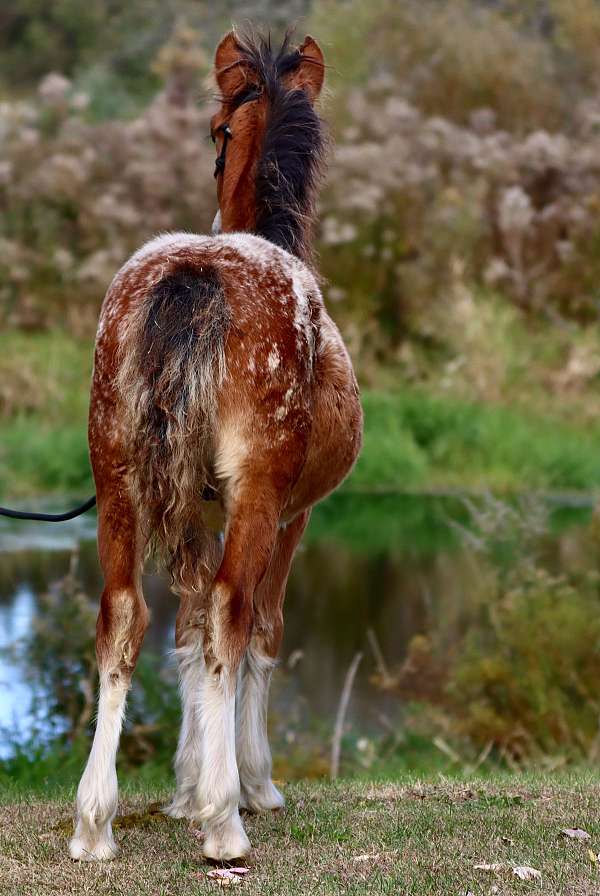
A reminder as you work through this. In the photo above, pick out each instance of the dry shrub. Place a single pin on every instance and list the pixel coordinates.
(76, 197)
(451, 58)
(412, 199)
(472, 58)
(447, 177)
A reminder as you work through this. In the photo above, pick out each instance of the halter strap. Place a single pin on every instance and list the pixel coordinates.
(220, 160)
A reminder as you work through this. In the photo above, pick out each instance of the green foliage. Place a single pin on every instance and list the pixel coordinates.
(46, 373)
(391, 458)
(38, 37)
(119, 40)
(34, 767)
(525, 676)
(445, 441)
(44, 391)
(413, 439)
(510, 670)
(455, 170)
(36, 458)
(369, 524)
(459, 238)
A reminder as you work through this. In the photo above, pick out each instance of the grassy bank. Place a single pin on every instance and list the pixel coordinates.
(413, 438)
(350, 838)
(44, 392)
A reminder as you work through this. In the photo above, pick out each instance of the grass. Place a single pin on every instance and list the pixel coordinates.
(44, 391)
(413, 439)
(348, 837)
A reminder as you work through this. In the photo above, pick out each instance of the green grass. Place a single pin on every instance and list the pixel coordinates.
(44, 392)
(413, 439)
(406, 837)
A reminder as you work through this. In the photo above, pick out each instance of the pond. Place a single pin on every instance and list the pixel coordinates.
(372, 572)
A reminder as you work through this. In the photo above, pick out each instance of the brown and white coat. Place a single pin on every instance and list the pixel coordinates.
(218, 374)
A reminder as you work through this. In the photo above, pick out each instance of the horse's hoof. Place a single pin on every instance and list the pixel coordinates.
(226, 842)
(101, 851)
(262, 799)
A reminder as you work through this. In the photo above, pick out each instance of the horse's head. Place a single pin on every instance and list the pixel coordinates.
(268, 138)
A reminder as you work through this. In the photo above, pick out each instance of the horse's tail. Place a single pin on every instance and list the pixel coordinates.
(172, 363)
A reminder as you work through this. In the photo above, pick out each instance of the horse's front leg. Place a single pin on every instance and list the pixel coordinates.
(258, 792)
(122, 622)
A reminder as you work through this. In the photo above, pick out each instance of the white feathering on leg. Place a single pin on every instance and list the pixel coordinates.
(188, 758)
(219, 785)
(97, 794)
(254, 755)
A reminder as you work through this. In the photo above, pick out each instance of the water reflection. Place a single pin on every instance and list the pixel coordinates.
(390, 564)
(15, 619)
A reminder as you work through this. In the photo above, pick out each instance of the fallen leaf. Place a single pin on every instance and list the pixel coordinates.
(493, 866)
(575, 834)
(592, 857)
(223, 877)
(527, 873)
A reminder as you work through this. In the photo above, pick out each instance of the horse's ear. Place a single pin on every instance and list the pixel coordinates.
(310, 74)
(231, 69)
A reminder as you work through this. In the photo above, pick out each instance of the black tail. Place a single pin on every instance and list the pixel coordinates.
(172, 363)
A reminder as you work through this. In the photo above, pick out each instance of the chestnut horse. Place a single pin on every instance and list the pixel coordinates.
(218, 375)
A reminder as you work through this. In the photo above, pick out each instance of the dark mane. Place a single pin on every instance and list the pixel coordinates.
(292, 155)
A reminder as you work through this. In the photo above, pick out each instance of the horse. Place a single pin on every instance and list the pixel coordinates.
(219, 380)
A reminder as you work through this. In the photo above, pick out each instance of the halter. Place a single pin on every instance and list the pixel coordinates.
(220, 160)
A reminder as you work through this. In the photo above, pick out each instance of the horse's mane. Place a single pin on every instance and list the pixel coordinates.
(291, 160)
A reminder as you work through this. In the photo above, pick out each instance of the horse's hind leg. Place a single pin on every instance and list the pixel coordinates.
(122, 622)
(253, 753)
(253, 517)
(189, 640)
(190, 660)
